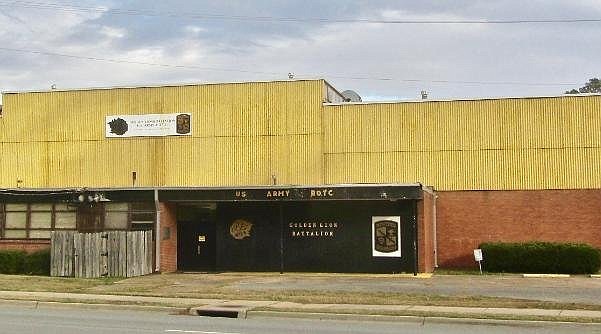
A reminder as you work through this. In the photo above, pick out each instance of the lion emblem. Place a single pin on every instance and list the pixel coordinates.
(240, 229)
(118, 126)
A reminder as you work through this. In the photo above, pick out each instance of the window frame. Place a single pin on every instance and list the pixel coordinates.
(28, 229)
(98, 210)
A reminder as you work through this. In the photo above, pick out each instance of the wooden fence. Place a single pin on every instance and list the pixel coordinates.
(104, 254)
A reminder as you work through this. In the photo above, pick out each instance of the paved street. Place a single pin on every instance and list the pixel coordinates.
(65, 320)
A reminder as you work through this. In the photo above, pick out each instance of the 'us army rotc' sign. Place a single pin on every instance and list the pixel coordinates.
(386, 236)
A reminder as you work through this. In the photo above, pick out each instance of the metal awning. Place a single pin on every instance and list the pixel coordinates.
(222, 194)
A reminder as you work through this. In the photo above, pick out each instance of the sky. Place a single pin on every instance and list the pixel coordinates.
(352, 44)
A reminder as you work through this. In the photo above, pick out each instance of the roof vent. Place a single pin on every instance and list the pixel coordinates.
(351, 96)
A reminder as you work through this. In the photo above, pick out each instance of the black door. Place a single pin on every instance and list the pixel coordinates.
(196, 245)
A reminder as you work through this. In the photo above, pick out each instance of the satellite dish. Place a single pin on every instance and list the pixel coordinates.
(351, 96)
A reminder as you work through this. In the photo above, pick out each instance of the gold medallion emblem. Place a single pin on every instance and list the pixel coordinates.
(183, 124)
(240, 229)
(386, 238)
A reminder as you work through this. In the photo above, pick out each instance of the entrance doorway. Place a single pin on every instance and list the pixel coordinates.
(196, 240)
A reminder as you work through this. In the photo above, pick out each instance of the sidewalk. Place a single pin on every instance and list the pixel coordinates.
(247, 308)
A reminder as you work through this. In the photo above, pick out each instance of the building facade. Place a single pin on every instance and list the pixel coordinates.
(254, 176)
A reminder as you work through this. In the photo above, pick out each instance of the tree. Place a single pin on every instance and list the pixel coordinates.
(592, 86)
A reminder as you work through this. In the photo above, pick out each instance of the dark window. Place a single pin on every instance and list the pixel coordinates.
(35, 220)
(129, 216)
(142, 216)
(90, 218)
(116, 216)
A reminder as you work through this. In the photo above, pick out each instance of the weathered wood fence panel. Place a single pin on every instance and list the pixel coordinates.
(62, 254)
(104, 254)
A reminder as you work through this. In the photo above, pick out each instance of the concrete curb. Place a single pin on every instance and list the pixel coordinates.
(405, 318)
(546, 276)
(146, 308)
(89, 306)
(331, 316)
(252, 309)
(17, 302)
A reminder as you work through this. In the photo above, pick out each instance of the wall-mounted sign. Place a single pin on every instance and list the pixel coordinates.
(312, 229)
(148, 125)
(240, 229)
(386, 236)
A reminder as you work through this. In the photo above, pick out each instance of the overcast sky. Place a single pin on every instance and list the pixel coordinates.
(207, 41)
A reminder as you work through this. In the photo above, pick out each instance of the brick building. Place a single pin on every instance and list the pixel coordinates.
(286, 175)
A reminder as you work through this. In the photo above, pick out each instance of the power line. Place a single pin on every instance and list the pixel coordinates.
(209, 16)
(126, 61)
(299, 75)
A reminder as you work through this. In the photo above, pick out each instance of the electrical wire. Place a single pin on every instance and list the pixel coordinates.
(209, 16)
(280, 74)
(126, 61)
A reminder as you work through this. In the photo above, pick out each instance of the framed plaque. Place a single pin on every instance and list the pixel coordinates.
(386, 236)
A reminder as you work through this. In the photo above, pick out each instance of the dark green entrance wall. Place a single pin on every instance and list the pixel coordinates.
(258, 252)
(316, 236)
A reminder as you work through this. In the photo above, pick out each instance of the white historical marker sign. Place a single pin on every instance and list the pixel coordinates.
(148, 125)
(478, 257)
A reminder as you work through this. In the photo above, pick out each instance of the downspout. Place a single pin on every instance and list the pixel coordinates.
(415, 236)
(157, 244)
(434, 197)
(432, 192)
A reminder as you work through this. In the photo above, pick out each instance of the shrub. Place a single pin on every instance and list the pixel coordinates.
(19, 262)
(541, 257)
(37, 263)
(11, 262)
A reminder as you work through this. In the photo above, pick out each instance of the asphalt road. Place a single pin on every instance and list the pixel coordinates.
(66, 320)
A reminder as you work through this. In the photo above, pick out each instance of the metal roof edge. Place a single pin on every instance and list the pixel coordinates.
(464, 99)
(157, 86)
(279, 186)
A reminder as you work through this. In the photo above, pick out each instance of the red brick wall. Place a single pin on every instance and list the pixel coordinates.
(168, 245)
(425, 234)
(25, 245)
(467, 218)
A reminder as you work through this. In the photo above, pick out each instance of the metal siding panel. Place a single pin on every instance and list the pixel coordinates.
(482, 169)
(296, 159)
(332, 127)
(56, 139)
(25, 162)
(242, 161)
(189, 162)
(534, 143)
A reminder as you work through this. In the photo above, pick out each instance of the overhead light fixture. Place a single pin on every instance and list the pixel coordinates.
(92, 198)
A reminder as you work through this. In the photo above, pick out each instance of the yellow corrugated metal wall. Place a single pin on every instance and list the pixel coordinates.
(245, 133)
(242, 135)
(528, 143)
